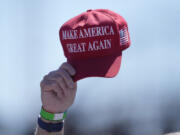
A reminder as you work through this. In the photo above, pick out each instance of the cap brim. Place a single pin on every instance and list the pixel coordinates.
(106, 66)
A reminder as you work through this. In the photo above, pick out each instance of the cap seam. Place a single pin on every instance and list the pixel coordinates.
(115, 24)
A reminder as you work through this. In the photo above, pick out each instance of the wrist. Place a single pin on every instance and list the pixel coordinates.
(52, 116)
(50, 121)
(53, 109)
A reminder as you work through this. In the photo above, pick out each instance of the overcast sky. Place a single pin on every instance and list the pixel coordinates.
(30, 48)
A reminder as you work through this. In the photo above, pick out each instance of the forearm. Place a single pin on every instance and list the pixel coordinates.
(178, 133)
(40, 131)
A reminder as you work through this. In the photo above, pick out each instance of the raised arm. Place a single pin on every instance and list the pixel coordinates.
(58, 92)
(177, 133)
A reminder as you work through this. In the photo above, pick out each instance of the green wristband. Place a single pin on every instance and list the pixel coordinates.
(53, 116)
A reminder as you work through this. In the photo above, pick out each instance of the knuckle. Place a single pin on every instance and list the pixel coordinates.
(58, 80)
(67, 77)
(41, 83)
(43, 80)
(68, 68)
(51, 73)
(63, 65)
(44, 84)
(45, 77)
(60, 70)
(63, 73)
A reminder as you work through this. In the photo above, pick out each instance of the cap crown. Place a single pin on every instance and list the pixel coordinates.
(94, 33)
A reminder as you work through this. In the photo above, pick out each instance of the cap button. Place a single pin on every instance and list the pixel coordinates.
(89, 10)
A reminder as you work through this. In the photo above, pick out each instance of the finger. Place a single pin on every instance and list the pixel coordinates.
(44, 84)
(48, 85)
(53, 87)
(72, 91)
(59, 92)
(60, 81)
(68, 68)
(43, 81)
(67, 78)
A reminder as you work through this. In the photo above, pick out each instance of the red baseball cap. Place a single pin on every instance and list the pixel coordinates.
(93, 43)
